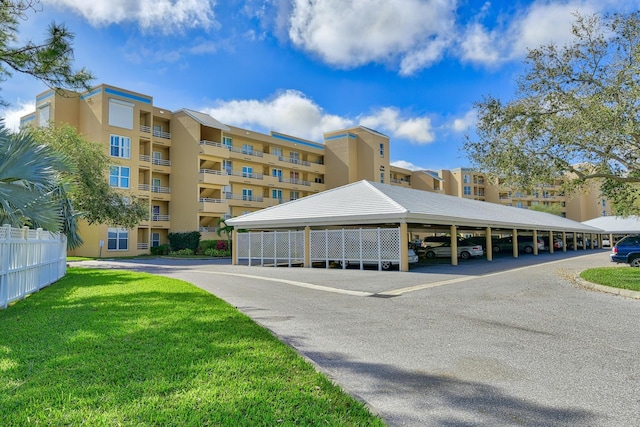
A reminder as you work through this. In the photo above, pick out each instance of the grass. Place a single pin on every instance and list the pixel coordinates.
(79, 258)
(106, 348)
(616, 277)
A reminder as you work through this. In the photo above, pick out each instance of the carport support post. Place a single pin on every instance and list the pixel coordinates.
(489, 244)
(404, 245)
(514, 240)
(234, 247)
(575, 241)
(551, 242)
(307, 246)
(535, 242)
(454, 245)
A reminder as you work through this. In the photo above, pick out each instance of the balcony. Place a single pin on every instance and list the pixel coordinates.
(246, 152)
(216, 206)
(249, 175)
(214, 177)
(161, 162)
(248, 201)
(216, 149)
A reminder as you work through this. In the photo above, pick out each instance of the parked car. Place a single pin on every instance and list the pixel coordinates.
(433, 241)
(606, 242)
(580, 244)
(627, 251)
(479, 240)
(465, 250)
(385, 265)
(525, 244)
(557, 243)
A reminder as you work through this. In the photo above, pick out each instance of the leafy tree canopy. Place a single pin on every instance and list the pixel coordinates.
(576, 115)
(91, 196)
(49, 61)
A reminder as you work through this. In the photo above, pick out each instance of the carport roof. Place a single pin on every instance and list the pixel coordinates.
(366, 202)
(616, 224)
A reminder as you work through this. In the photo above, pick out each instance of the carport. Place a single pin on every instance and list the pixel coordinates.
(615, 226)
(375, 222)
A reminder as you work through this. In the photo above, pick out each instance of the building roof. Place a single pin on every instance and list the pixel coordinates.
(204, 119)
(366, 202)
(616, 224)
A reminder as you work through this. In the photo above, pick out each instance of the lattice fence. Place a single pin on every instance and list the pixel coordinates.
(272, 248)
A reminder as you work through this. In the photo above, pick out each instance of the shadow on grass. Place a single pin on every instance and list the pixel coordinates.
(113, 347)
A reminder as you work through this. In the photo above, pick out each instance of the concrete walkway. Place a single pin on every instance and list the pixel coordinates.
(507, 343)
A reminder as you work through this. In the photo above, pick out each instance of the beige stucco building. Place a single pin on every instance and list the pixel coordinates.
(196, 171)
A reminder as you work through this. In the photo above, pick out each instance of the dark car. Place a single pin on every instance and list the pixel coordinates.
(627, 251)
(525, 244)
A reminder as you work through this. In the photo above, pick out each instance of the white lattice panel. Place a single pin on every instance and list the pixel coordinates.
(242, 243)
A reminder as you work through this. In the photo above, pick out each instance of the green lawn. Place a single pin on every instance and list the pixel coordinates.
(107, 348)
(616, 277)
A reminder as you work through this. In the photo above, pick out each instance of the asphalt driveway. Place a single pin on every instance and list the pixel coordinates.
(507, 343)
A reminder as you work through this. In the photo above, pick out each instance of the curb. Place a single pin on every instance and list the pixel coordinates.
(627, 293)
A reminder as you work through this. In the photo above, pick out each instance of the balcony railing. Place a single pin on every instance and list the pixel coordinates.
(158, 217)
(143, 245)
(210, 200)
(156, 132)
(143, 187)
(246, 151)
(158, 189)
(145, 158)
(161, 162)
(245, 174)
(295, 161)
(294, 181)
(213, 172)
(208, 229)
(210, 143)
(230, 196)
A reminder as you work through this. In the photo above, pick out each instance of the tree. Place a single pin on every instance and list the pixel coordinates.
(91, 196)
(223, 228)
(49, 61)
(33, 191)
(576, 115)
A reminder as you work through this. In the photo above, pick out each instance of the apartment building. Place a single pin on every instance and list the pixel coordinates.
(195, 171)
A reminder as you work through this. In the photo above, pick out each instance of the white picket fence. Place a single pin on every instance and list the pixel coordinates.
(29, 261)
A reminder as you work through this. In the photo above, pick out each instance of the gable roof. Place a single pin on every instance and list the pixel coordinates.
(366, 202)
(204, 119)
(616, 224)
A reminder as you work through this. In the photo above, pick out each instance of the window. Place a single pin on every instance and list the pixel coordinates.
(276, 194)
(466, 178)
(227, 166)
(247, 172)
(155, 213)
(157, 130)
(294, 177)
(120, 146)
(382, 177)
(294, 195)
(247, 149)
(604, 203)
(381, 150)
(44, 115)
(155, 240)
(156, 185)
(119, 176)
(120, 114)
(518, 204)
(117, 239)
(227, 141)
(226, 190)
(467, 190)
(294, 156)
(276, 151)
(277, 173)
(247, 194)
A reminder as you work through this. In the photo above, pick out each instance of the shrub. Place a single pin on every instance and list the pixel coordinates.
(183, 252)
(206, 244)
(160, 250)
(216, 252)
(221, 245)
(190, 240)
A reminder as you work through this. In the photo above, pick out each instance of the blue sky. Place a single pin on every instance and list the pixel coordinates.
(411, 69)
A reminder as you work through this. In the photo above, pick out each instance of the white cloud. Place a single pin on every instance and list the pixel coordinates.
(291, 112)
(541, 23)
(417, 130)
(462, 124)
(12, 115)
(165, 16)
(406, 165)
(357, 32)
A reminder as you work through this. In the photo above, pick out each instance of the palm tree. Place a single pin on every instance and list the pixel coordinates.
(226, 229)
(32, 192)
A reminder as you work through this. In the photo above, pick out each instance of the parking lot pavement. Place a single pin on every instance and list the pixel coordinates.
(516, 346)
